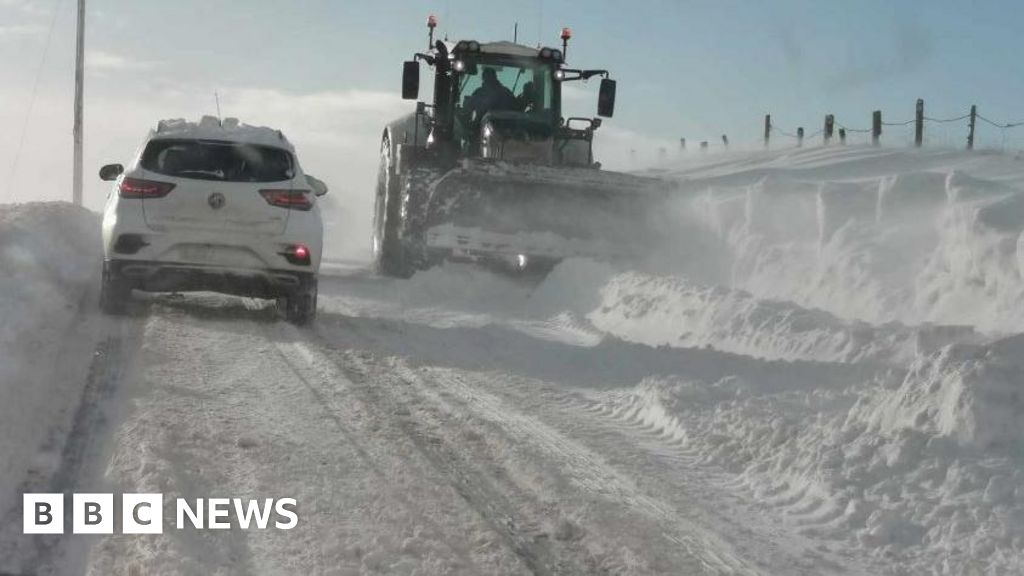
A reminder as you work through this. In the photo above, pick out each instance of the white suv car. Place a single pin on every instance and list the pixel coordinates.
(213, 206)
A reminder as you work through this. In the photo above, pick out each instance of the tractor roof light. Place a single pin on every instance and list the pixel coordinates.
(566, 34)
(431, 24)
(559, 75)
(459, 66)
(556, 55)
(545, 53)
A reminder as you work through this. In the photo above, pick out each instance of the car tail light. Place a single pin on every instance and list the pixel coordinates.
(297, 254)
(138, 188)
(294, 199)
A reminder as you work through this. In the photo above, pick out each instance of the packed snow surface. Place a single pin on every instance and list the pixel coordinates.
(820, 372)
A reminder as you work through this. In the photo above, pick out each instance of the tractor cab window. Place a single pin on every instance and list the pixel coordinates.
(484, 88)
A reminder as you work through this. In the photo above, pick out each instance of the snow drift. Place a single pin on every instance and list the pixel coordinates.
(49, 266)
(907, 261)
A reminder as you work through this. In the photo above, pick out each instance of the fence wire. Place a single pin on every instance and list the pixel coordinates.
(901, 134)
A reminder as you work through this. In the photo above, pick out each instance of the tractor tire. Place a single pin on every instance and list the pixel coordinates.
(115, 293)
(388, 249)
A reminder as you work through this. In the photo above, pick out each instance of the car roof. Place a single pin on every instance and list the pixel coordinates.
(212, 128)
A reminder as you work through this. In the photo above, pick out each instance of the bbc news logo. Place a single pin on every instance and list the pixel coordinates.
(144, 513)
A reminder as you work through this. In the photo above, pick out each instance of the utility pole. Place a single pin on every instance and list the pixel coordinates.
(970, 135)
(76, 184)
(919, 123)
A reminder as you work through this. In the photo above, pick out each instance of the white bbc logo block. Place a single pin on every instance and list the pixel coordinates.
(43, 513)
(93, 514)
(142, 514)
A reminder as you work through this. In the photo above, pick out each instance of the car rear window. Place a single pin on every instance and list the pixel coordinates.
(216, 160)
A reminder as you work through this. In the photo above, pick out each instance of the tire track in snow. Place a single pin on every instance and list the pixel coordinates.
(672, 471)
(478, 491)
(703, 553)
(587, 469)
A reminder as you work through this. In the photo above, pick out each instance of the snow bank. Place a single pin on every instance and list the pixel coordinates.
(49, 262)
(907, 261)
(672, 311)
(925, 468)
(938, 246)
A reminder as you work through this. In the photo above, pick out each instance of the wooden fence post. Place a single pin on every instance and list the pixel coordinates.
(842, 136)
(725, 140)
(970, 133)
(767, 128)
(876, 127)
(704, 145)
(830, 121)
(800, 137)
(682, 143)
(919, 123)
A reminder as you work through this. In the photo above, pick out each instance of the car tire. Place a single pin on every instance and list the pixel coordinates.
(300, 307)
(115, 292)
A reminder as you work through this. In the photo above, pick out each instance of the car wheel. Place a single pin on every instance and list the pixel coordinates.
(115, 292)
(300, 307)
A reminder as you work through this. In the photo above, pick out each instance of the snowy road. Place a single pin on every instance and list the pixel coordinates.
(456, 445)
(822, 377)
(404, 453)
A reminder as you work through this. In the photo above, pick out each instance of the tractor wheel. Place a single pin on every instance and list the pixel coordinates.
(388, 250)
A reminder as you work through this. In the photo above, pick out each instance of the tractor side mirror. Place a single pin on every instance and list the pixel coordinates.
(606, 98)
(410, 80)
(111, 172)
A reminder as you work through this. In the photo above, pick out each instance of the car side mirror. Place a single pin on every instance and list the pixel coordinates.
(111, 172)
(410, 80)
(606, 98)
(317, 185)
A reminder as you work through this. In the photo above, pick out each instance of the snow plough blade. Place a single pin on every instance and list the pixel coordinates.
(515, 212)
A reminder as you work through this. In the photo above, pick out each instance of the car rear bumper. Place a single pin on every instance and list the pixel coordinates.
(153, 276)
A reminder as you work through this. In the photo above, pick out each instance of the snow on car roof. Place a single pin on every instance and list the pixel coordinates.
(212, 128)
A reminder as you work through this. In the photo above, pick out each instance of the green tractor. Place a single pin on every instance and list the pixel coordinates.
(491, 171)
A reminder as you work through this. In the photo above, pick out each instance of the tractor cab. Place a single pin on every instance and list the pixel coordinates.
(503, 101)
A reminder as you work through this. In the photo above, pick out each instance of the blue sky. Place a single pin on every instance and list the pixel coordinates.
(685, 68)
